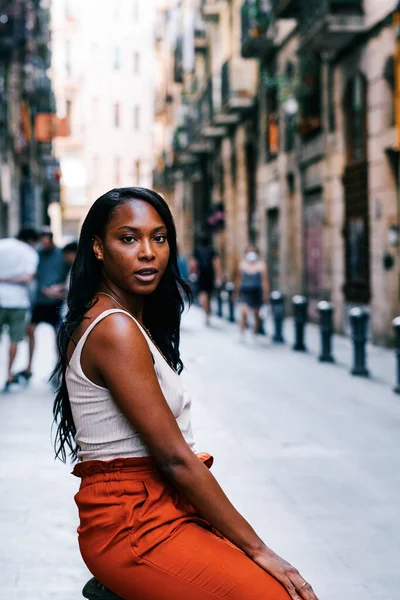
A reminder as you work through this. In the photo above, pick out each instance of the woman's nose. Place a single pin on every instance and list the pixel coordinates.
(146, 251)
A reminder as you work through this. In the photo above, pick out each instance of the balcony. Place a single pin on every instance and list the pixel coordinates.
(212, 9)
(209, 129)
(238, 85)
(220, 117)
(329, 25)
(197, 142)
(286, 9)
(257, 34)
(180, 147)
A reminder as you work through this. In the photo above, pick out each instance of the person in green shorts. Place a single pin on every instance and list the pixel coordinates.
(18, 265)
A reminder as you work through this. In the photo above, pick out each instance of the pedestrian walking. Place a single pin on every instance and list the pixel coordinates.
(52, 272)
(154, 523)
(207, 266)
(18, 265)
(60, 290)
(251, 288)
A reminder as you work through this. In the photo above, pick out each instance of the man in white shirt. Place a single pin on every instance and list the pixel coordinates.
(18, 266)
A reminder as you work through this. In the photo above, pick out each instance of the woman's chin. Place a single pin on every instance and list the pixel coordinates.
(145, 290)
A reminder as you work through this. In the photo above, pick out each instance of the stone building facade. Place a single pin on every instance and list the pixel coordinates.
(29, 173)
(284, 134)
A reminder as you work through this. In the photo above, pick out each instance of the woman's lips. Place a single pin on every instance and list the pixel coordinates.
(146, 275)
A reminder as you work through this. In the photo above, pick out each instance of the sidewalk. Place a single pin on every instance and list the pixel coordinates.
(39, 555)
(309, 454)
(381, 361)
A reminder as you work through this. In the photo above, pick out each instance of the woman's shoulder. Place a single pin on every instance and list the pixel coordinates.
(107, 324)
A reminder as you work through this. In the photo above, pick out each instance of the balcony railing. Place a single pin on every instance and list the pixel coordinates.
(207, 129)
(286, 9)
(330, 24)
(257, 33)
(238, 85)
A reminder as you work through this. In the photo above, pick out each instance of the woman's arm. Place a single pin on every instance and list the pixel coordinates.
(118, 356)
(25, 278)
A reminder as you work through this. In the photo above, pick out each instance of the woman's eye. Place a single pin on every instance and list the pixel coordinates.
(160, 239)
(128, 239)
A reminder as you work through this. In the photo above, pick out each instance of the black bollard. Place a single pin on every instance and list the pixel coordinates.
(278, 314)
(326, 328)
(300, 306)
(359, 322)
(230, 288)
(396, 326)
(220, 311)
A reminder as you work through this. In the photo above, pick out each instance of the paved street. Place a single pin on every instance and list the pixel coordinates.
(308, 453)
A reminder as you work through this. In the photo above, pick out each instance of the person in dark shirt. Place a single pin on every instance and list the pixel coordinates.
(207, 266)
(52, 272)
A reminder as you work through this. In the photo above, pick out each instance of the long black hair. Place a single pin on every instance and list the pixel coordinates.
(162, 309)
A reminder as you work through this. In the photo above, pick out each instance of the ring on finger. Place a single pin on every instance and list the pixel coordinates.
(303, 585)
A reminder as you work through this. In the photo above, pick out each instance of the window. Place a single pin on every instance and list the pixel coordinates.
(117, 115)
(117, 58)
(136, 11)
(136, 63)
(310, 96)
(272, 137)
(68, 114)
(355, 109)
(117, 171)
(68, 57)
(137, 174)
(136, 118)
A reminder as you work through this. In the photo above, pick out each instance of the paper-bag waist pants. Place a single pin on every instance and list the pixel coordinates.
(142, 539)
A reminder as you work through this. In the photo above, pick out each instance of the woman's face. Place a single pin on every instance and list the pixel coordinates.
(135, 249)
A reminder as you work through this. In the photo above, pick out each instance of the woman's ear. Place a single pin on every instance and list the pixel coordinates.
(98, 248)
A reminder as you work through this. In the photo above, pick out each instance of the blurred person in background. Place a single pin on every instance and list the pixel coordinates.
(60, 290)
(251, 289)
(18, 266)
(52, 271)
(69, 253)
(206, 264)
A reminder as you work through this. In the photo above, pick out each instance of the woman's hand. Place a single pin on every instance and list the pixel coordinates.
(288, 576)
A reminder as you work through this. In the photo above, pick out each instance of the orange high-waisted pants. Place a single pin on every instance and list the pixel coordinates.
(142, 539)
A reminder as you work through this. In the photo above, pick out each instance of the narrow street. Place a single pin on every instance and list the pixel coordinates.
(308, 453)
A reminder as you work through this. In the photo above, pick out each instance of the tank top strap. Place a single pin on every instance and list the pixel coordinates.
(76, 355)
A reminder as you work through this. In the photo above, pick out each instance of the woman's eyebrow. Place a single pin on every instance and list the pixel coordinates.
(137, 230)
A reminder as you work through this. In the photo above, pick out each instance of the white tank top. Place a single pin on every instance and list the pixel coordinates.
(102, 431)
